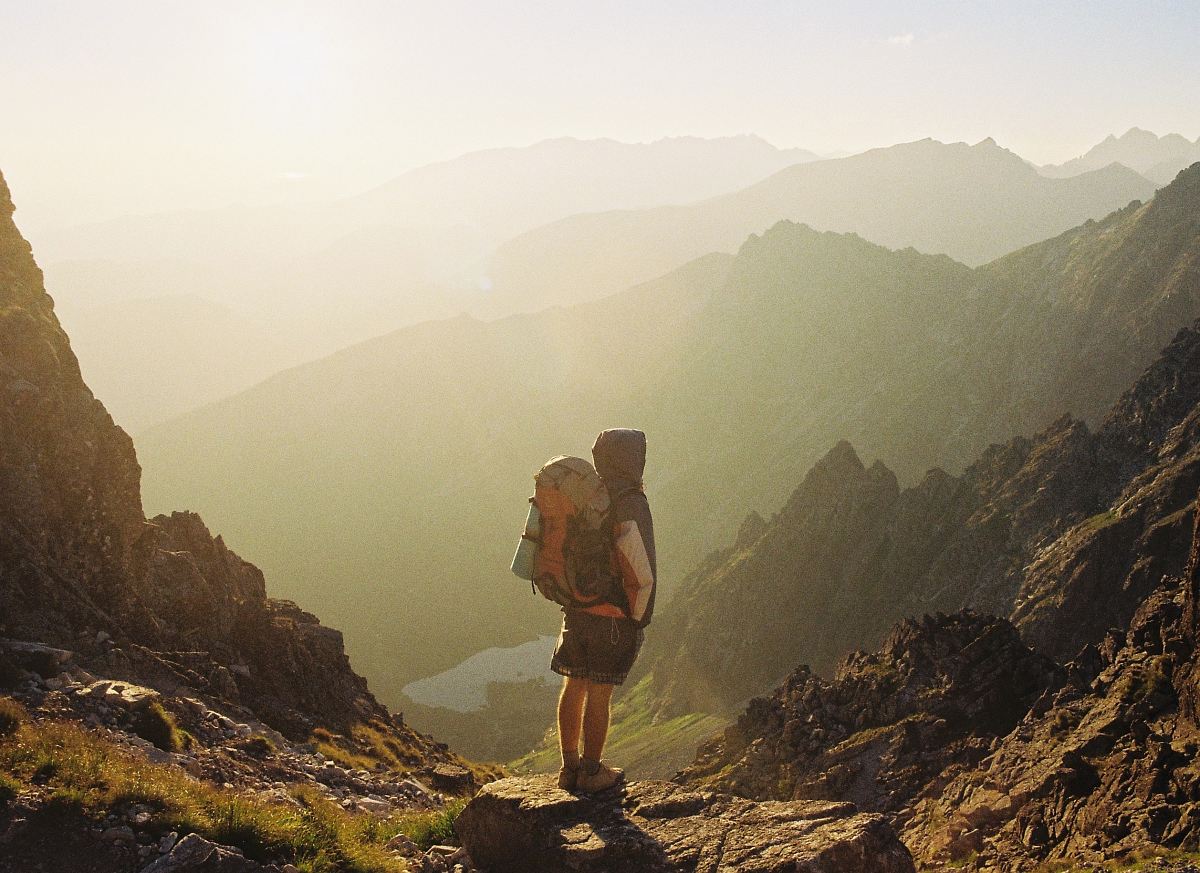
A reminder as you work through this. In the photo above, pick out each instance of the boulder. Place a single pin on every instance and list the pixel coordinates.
(194, 854)
(529, 823)
(46, 661)
(451, 778)
(125, 695)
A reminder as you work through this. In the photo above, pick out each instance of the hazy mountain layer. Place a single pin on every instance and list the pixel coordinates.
(399, 467)
(303, 280)
(974, 203)
(1158, 158)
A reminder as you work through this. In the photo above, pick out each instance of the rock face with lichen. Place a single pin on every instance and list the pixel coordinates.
(527, 824)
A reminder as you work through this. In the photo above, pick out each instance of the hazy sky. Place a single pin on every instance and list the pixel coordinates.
(118, 106)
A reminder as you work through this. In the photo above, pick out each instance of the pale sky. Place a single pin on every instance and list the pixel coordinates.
(128, 106)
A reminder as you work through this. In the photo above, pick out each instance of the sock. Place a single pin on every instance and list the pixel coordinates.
(570, 760)
(590, 766)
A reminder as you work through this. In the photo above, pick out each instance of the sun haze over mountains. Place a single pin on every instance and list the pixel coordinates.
(296, 298)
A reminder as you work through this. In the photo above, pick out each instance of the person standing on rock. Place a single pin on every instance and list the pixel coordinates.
(598, 644)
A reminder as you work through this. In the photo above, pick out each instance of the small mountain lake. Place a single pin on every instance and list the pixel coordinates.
(464, 687)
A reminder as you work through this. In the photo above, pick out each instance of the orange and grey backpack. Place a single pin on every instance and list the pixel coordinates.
(575, 564)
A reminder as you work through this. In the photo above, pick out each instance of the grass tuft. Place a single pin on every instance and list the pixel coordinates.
(432, 828)
(156, 725)
(9, 789)
(258, 746)
(12, 716)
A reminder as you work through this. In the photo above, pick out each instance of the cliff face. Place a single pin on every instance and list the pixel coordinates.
(1066, 533)
(81, 568)
(71, 508)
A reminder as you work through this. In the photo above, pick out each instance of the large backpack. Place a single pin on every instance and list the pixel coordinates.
(575, 564)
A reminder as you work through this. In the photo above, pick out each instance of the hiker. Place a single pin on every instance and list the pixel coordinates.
(598, 644)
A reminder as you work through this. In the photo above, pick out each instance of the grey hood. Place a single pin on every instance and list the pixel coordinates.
(620, 457)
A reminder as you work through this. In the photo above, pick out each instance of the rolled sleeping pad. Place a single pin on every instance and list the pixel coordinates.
(527, 548)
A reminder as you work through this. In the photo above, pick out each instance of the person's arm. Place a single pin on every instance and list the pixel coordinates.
(634, 539)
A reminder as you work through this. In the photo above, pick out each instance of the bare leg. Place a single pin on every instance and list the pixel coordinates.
(595, 720)
(570, 718)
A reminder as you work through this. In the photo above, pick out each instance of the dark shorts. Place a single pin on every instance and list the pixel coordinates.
(597, 648)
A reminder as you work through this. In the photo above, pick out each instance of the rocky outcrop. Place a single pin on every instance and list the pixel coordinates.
(1090, 774)
(194, 854)
(890, 723)
(654, 827)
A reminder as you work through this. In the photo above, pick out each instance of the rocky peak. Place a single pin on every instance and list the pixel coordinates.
(1096, 772)
(837, 481)
(1139, 422)
(752, 527)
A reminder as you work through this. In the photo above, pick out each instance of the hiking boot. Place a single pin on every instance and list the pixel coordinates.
(602, 778)
(567, 778)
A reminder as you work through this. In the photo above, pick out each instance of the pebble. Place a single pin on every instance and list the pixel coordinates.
(119, 834)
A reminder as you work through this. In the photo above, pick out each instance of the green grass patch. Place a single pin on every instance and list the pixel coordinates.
(9, 789)
(374, 743)
(644, 747)
(368, 745)
(431, 828)
(964, 863)
(1150, 683)
(87, 773)
(1101, 520)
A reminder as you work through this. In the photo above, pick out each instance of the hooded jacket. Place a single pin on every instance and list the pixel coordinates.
(620, 458)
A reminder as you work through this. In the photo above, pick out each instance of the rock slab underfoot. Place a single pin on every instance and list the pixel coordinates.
(529, 823)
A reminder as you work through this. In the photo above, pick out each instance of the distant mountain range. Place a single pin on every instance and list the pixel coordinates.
(973, 203)
(1158, 158)
(394, 472)
(306, 279)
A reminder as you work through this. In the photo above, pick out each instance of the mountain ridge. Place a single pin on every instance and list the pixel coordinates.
(1158, 158)
(888, 195)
